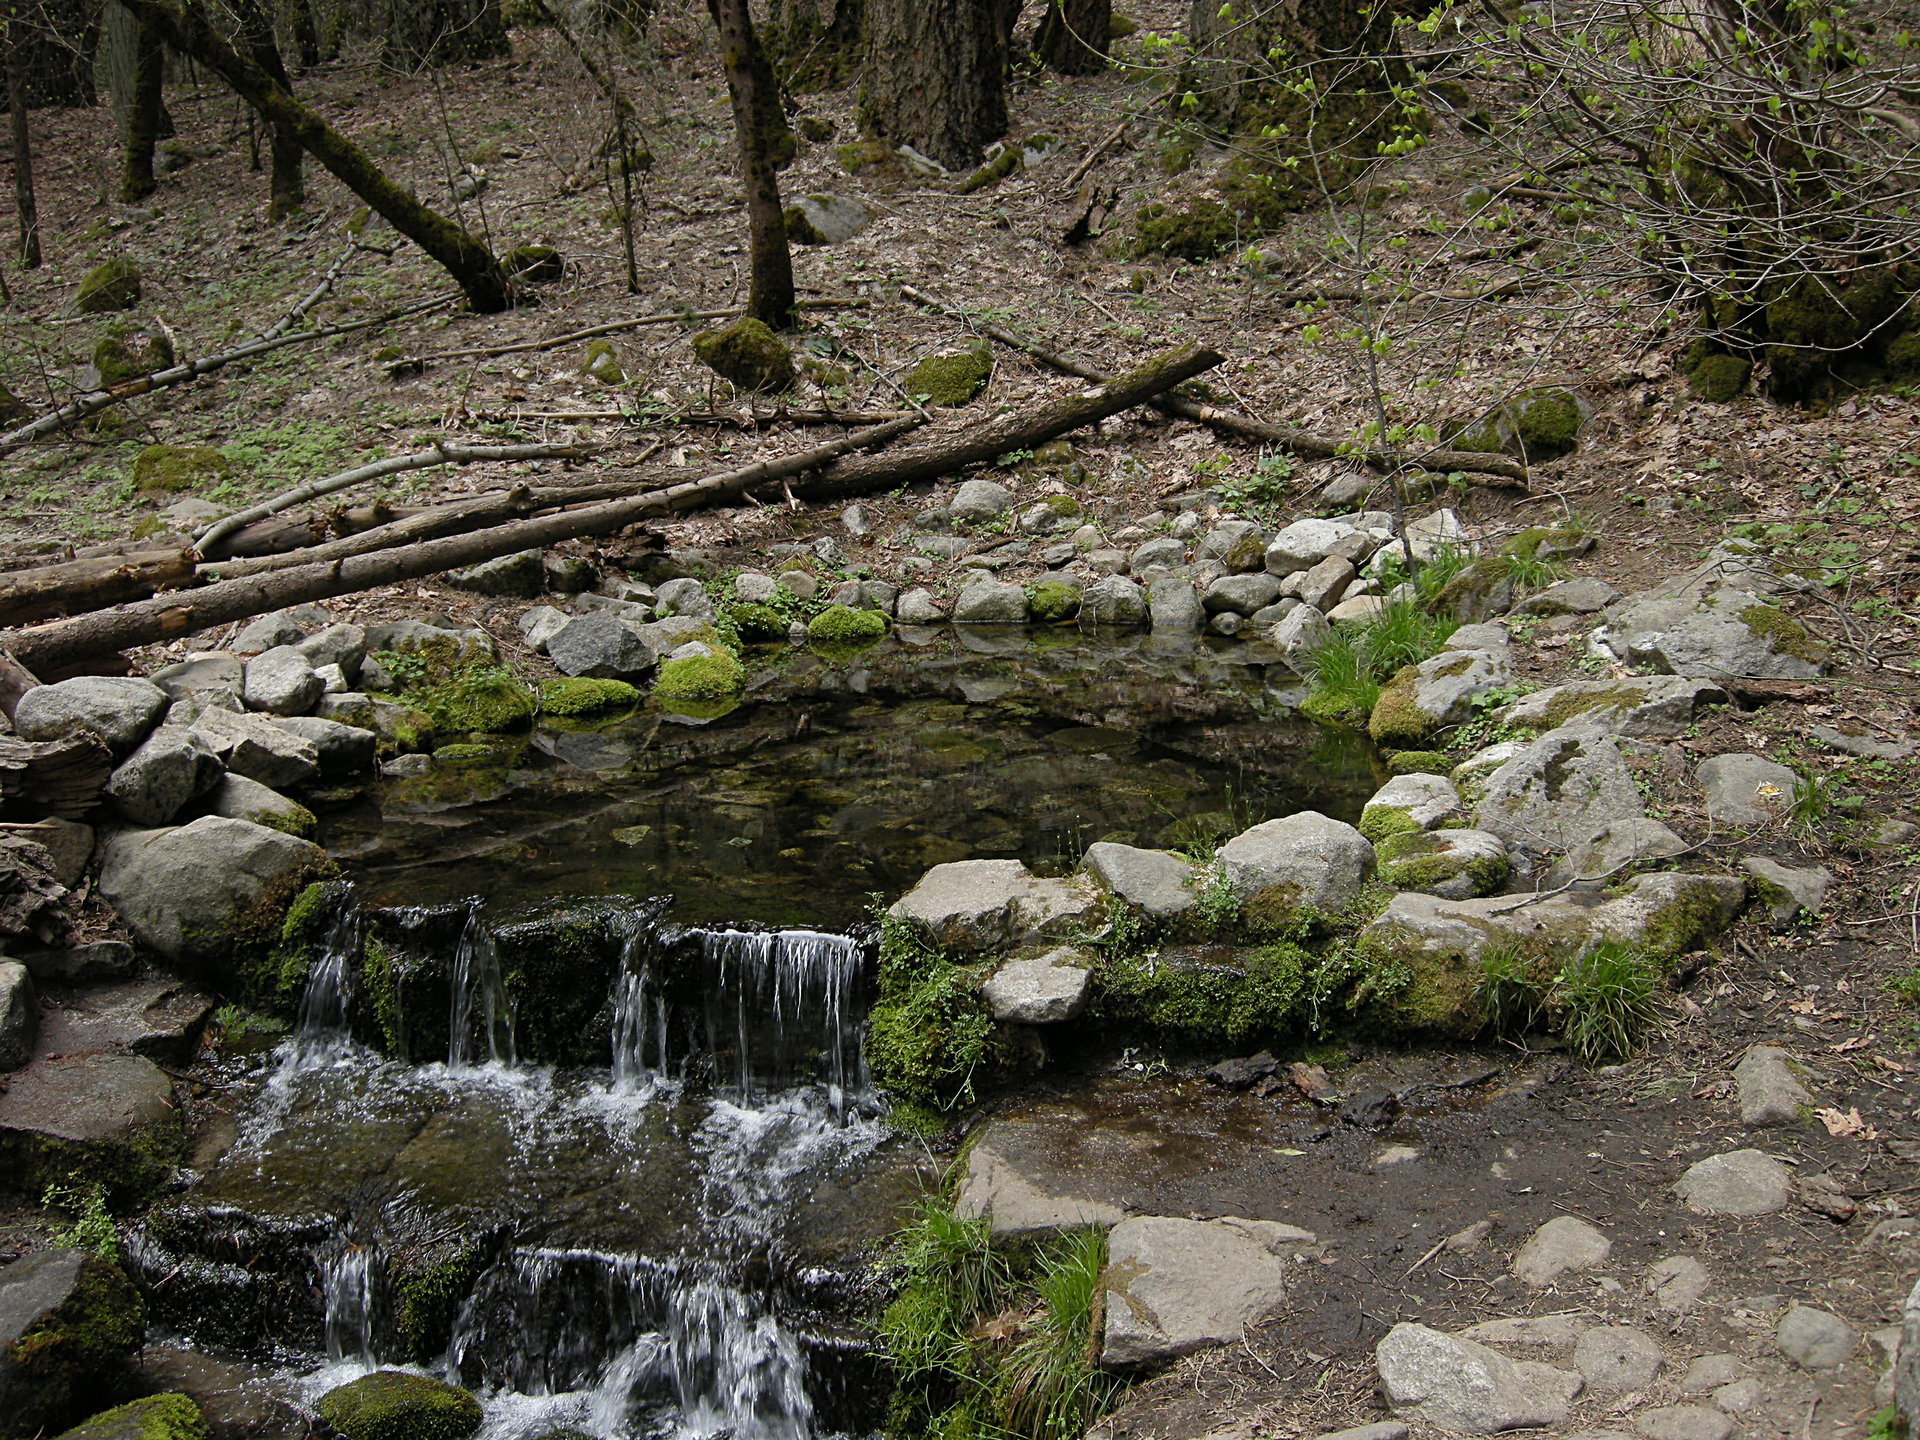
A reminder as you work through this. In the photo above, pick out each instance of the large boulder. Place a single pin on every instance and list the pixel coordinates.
(1616, 846)
(986, 904)
(69, 1322)
(1305, 543)
(238, 798)
(1730, 636)
(1643, 706)
(1558, 791)
(120, 709)
(281, 681)
(1157, 883)
(1115, 600)
(600, 647)
(171, 768)
(1423, 699)
(256, 747)
(1463, 1386)
(1305, 864)
(211, 894)
(19, 1014)
(1177, 1286)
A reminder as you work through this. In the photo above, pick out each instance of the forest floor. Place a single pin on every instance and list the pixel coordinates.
(1658, 478)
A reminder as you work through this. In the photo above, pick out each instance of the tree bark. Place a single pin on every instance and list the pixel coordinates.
(814, 43)
(141, 111)
(472, 266)
(23, 199)
(756, 111)
(1072, 39)
(306, 34)
(40, 594)
(286, 186)
(446, 32)
(935, 76)
(62, 778)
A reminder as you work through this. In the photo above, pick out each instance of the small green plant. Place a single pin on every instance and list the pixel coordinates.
(1812, 800)
(1509, 1000)
(91, 1227)
(1885, 1425)
(1215, 905)
(1905, 988)
(1605, 1001)
(1049, 1388)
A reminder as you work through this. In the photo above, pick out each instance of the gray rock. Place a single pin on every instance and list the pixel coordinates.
(1786, 890)
(978, 500)
(540, 624)
(120, 709)
(415, 637)
(1642, 706)
(881, 595)
(1322, 585)
(1731, 635)
(1582, 595)
(1431, 534)
(853, 519)
(990, 602)
(1173, 607)
(1177, 1286)
(753, 588)
(258, 748)
(1240, 594)
(685, 597)
(1906, 1366)
(1677, 1283)
(267, 632)
(1485, 636)
(1305, 543)
(833, 218)
(1740, 1182)
(1046, 990)
(1562, 1246)
(986, 904)
(1236, 544)
(1106, 562)
(1164, 551)
(1559, 790)
(1559, 1333)
(1814, 1339)
(1379, 1430)
(941, 547)
(522, 574)
(82, 964)
(569, 574)
(1358, 610)
(1425, 698)
(1710, 1372)
(1767, 1080)
(280, 681)
(1617, 1359)
(634, 612)
(1016, 1204)
(56, 1285)
(350, 707)
(918, 607)
(342, 645)
(187, 516)
(850, 593)
(159, 1018)
(1737, 1396)
(1462, 1386)
(1154, 882)
(1745, 790)
(171, 768)
(1301, 632)
(1864, 746)
(599, 646)
(1683, 1422)
(1305, 862)
(407, 767)
(1115, 600)
(68, 843)
(1453, 864)
(213, 678)
(1616, 846)
(1410, 802)
(333, 681)
(1269, 616)
(238, 798)
(19, 1014)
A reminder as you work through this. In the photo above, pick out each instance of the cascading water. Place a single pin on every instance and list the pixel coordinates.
(321, 1037)
(349, 1277)
(482, 1026)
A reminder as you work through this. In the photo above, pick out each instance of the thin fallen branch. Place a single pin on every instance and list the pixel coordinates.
(304, 305)
(95, 401)
(1093, 155)
(1294, 442)
(205, 542)
(742, 420)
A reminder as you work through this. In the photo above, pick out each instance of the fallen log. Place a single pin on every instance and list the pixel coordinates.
(1294, 442)
(459, 517)
(29, 595)
(45, 647)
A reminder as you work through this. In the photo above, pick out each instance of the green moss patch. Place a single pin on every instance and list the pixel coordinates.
(951, 379)
(64, 1357)
(1210, 996)
(1786, 635)
(154, 1417)
(757, 624)
(718, 676)
(748, 354)
(1396, 720)
(109, 287)
(843, 625)
(1421, 762)
(127, 352)
(581, 696)
(1052, 601)
(534, 264)
(1718, 378)
(392, 1405)
(168, 469)
(1199, 233)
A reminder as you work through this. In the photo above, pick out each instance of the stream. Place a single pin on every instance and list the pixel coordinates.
(575, 1113)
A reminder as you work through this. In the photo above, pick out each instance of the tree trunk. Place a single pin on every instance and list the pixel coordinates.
(286, 187)
(756, 108)
(472, 266)
(306, 34)
(445, 32)
(1073, 36)
(935, 76)
(815, 44)
(23, 200)
(140, 112)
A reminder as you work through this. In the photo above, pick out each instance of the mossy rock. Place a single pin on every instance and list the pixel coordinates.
(1207, 996)
(109, 287)
(427, 1296)
(1785, 634)
(603, 364)
(487, 701)
(801, 230)
(1052, 601)
(534, 264)
(168, 469)
(859, 156)
(748, 354)
(154, 1417)
(465, 753)
(699, 678)
(1414, 859)
(1481, 591)
(844, 626)
(757, 624)
(127, 352)
(1718, 378)
(1821, 324)
(951, 379)
(63, 1362)
(583, 696)
(1120, 26)
(1396, 720)
(1421, 762)
(12, 408)
(1532, 426)
(392, 1405)
(1903, 357)
(1199, 233)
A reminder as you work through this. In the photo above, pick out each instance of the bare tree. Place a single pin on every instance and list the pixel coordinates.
(286, 185)
(23, 197)
(750, 84)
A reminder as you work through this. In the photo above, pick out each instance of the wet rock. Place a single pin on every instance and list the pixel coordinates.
(1785, 890)
(1043, 991)
(1305, 543)
(1000, 1189)
(1710, 1372)
(109, 1117)
(1450, 864)
(522, 574)
(1562, 1246)
(1409, 803)
(86, 1320)
(1641, 706)
(343, 750)
(978, 500)
(268, 632)
(1177, 1286)
(158, 1018)
(1236, 544)
(1615, 846)
(1299, 633)
(1683, 1422)
(1741, 1183)
(394, 1405)
(280, 681)
(918, 607)
(1115, 600)
(1677, 1283)
(1558, 791)
(211, 679)
(1617, 1359)
(238, 798)
(1768, 1082)
(120, 709)
(189, 892)
(1303, 863)
(1462, 1386)
(1745, 790)
(599, 647)
(1814, 1339)
(171, 768)
(1241, 594)
(1157, 883)
(79, 964)
(152, 1417)
(1423, 699)
(1582, 595)
(1244, 1072)
(990, 602)
(19, 1014)
(1172, 606)
(234, 1397)
(984, 904)
(258, 748)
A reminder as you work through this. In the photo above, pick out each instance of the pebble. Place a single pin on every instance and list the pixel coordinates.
(1683, 1422)
(1617, 1358)
(1560, 1246)
(1677, 1282)
(1814, 1339)
(1737, 1395)
(1710, 1372)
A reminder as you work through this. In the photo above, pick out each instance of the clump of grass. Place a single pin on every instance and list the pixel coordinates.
(1346, 673)
(1605, 1001)
(1510, 1001)
(1048, 1385)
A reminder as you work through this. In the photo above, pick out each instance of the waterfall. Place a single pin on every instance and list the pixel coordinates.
(736, 1369)
(320, 1035)
(349, 1278)
(479, 1000)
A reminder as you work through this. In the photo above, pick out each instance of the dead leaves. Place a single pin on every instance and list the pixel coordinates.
(1845, 1122)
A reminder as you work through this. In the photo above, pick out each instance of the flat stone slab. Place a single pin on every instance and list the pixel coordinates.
(1046, 990)
(982, 904)
(160, 1019)
(87, 1099)
(1741, 1182)
(1642, 706)
(1462, 1386)
(1176, 1286)
(1768, 1083)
